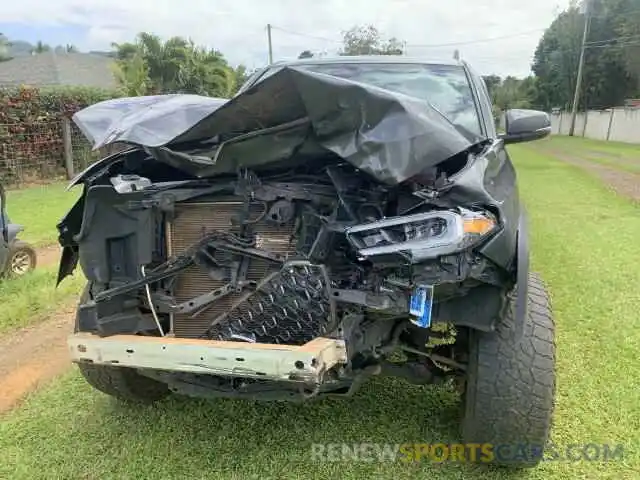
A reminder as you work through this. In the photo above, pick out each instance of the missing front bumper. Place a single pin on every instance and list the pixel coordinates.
(307, 363)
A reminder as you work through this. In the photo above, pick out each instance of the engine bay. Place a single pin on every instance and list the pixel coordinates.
(279, 259)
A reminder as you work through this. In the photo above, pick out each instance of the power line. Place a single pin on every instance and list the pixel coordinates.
(511, 57)
(622, 44)
(419, 45)
(608, 14)
(614, 39)
(479, 40)
(286, 30)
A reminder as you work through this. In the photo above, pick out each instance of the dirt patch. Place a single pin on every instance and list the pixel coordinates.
(32, 356)
(599, 156)
(614, 160)
(623, 183)
(48, 256)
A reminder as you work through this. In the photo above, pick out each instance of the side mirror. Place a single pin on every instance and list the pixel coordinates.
(525, 126)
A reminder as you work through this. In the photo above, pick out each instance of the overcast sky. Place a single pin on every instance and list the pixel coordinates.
(238, 27)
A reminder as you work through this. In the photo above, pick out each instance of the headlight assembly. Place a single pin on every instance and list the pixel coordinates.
(422, 236)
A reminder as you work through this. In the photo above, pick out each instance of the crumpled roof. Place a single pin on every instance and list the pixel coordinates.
(386, 134)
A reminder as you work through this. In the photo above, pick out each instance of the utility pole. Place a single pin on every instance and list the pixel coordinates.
(270, 44)
(576, 94)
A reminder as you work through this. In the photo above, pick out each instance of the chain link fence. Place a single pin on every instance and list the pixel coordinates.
(44, 152)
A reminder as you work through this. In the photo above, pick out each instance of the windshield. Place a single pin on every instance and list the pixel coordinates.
(446, 87)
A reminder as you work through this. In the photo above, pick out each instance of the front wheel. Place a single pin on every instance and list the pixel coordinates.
(122, 383)
(510, 384)
(22, 259)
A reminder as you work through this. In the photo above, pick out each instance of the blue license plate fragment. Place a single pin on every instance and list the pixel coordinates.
(421, 305)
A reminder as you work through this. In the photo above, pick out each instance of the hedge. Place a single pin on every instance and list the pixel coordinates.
(31, 141)
(28, 104)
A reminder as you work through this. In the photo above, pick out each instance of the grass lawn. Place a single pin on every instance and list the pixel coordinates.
(28, 299)
(614, 149)
(39, 209)
(618, 155)
(584, 243)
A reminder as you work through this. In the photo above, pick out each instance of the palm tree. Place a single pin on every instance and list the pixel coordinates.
(206, 72)
(177, 65)
(132, 75)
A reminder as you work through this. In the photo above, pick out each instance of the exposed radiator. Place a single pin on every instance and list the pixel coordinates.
(191, 223)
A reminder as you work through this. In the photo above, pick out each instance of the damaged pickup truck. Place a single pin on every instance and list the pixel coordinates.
(338, 219)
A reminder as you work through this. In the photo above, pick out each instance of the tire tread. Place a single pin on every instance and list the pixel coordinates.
(511, 384)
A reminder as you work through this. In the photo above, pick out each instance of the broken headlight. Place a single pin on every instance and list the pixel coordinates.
(423, 235)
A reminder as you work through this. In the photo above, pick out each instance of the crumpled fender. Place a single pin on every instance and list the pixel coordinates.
(522, 275)
(96, 167)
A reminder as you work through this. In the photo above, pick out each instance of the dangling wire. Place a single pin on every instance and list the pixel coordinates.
(152, 307)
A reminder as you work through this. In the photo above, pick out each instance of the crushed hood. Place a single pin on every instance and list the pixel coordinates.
(386, 134)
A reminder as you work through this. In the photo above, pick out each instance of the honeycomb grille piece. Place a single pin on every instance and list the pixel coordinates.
(192, 222)
(291, 306)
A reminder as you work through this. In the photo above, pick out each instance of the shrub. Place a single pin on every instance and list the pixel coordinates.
(31, 139)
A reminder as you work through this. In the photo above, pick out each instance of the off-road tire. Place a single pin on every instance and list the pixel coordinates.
(123, 383)
(120, 382)
(19, 247)
(510, 387)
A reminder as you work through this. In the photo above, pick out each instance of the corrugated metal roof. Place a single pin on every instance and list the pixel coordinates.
(58, 69)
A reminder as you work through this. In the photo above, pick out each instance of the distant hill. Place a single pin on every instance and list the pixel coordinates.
(18, 48)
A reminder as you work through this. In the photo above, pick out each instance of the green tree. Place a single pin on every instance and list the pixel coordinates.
(513, 93)
(493, 83)
(609, 75)
(240, 76)
(556, 59)
(510, 92)
(132, 75)
(367, 40)
(161, 59)
(41, 47)
(528, 92)
(174, 66)
(204, 72)
(624, 16)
